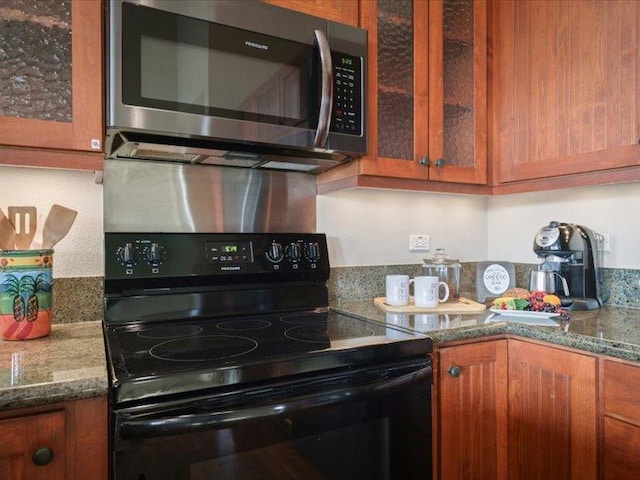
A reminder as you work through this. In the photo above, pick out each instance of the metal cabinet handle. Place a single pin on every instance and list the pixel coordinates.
(326, 102)
(42, 456)
(424, 161)
(454, 371)
(440, 162)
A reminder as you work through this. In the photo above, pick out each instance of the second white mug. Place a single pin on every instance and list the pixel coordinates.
(429, 291)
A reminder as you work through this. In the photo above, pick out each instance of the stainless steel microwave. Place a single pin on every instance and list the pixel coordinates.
(233, 83)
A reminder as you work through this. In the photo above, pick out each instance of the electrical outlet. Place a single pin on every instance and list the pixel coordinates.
(419, 242)
(604, 242)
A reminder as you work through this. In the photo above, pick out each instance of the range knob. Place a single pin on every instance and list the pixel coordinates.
(274, 253)
(154, 254)
(294, 252)
(127, 255)
(312, 252)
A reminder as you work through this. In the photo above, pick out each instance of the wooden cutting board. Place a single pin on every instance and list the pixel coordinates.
(463, 306)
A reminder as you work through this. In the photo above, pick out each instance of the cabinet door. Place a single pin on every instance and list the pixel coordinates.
(343, 11)
(27, 441)
(552, 413)
(457, 91)
(51, 75)
(472, 406)
(566, 83)
(398, 89)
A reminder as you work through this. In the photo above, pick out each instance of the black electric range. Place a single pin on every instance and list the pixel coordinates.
(187, 313)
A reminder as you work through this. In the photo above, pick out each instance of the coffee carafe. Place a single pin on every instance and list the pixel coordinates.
(570, 265)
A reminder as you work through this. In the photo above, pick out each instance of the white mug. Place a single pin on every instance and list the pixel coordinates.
(428, 291)
(397, 290)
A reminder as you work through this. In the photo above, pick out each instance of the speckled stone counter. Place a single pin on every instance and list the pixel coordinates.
(68, 364)
(609, 331)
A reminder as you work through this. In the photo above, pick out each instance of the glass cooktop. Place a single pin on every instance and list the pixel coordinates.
(185, 356)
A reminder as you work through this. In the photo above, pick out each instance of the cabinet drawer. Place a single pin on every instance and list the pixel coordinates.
(622, 390)
(621, 450)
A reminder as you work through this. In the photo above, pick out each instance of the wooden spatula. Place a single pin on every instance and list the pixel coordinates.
(7, 233)
(57, 225)
(24, 221)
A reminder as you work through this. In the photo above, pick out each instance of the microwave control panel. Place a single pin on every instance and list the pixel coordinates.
(347, 94)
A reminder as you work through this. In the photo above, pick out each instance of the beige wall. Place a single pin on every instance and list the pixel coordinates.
(369, 227)
(79, 254)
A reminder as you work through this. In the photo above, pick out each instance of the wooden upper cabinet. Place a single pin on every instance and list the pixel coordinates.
(426, 95)
(343, 11)
(566, 87)
(457, 91)
(552, 413)
(52, 94)
(471, 425)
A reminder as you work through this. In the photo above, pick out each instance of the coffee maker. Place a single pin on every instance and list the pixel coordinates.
(571, 251)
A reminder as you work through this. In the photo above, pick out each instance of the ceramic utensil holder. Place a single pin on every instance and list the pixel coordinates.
(25, 293)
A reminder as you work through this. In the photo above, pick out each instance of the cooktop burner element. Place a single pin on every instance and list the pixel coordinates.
(169, 332)
(298, 318)
(203, 348)
(241, 325)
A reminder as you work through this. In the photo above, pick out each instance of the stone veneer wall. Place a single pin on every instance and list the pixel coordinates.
(80, 299)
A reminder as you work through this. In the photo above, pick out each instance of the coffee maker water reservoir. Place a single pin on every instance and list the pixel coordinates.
(571, 251)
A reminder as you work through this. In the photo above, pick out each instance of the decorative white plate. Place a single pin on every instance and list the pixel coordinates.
(522, 316)
(524, 313)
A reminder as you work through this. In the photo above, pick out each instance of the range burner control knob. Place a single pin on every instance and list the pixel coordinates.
(127, 255)
(154, 254)
(274, 253)
(312, 251)
(294, 252)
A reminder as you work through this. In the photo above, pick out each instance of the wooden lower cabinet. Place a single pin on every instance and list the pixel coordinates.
(66, 441)
(515, 409)
(552, 413)
(471, 389)
(620, 420)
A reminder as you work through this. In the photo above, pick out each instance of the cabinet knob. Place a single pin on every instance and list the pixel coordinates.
(42, 456)
(424, 161)
(454, 371)
(440, 162)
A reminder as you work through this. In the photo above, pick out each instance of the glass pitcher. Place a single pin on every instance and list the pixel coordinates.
(446, 269)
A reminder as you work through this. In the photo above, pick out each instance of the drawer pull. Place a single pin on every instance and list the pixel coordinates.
(454, 371)
(42, 456)
(424, 161)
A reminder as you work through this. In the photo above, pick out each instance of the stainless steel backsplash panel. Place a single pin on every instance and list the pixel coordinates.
(173, 197)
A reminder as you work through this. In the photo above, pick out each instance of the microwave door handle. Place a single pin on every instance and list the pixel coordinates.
(326, 102)
(188, 423)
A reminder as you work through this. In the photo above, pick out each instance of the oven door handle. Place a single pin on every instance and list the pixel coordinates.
(176, 424)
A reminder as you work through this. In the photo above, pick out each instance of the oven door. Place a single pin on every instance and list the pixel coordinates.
(372, 423)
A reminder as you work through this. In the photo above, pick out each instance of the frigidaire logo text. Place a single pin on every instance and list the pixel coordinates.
(256, 45)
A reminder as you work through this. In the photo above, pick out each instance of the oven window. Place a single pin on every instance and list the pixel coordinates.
(179, 63)
(385, 437)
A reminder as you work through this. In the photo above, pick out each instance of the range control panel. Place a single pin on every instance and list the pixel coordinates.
(155, 255)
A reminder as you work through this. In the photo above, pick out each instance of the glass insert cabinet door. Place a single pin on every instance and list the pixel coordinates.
(51, 74)
(457, 91)
(428, 107)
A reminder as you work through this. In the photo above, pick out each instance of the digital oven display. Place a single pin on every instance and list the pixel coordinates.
(229, 252)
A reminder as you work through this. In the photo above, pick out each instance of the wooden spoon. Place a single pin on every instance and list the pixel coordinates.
(7, 233)
(24, 223)
(57, 225)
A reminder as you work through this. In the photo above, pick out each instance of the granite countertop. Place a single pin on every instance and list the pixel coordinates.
(609, 331)
(68, 364)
